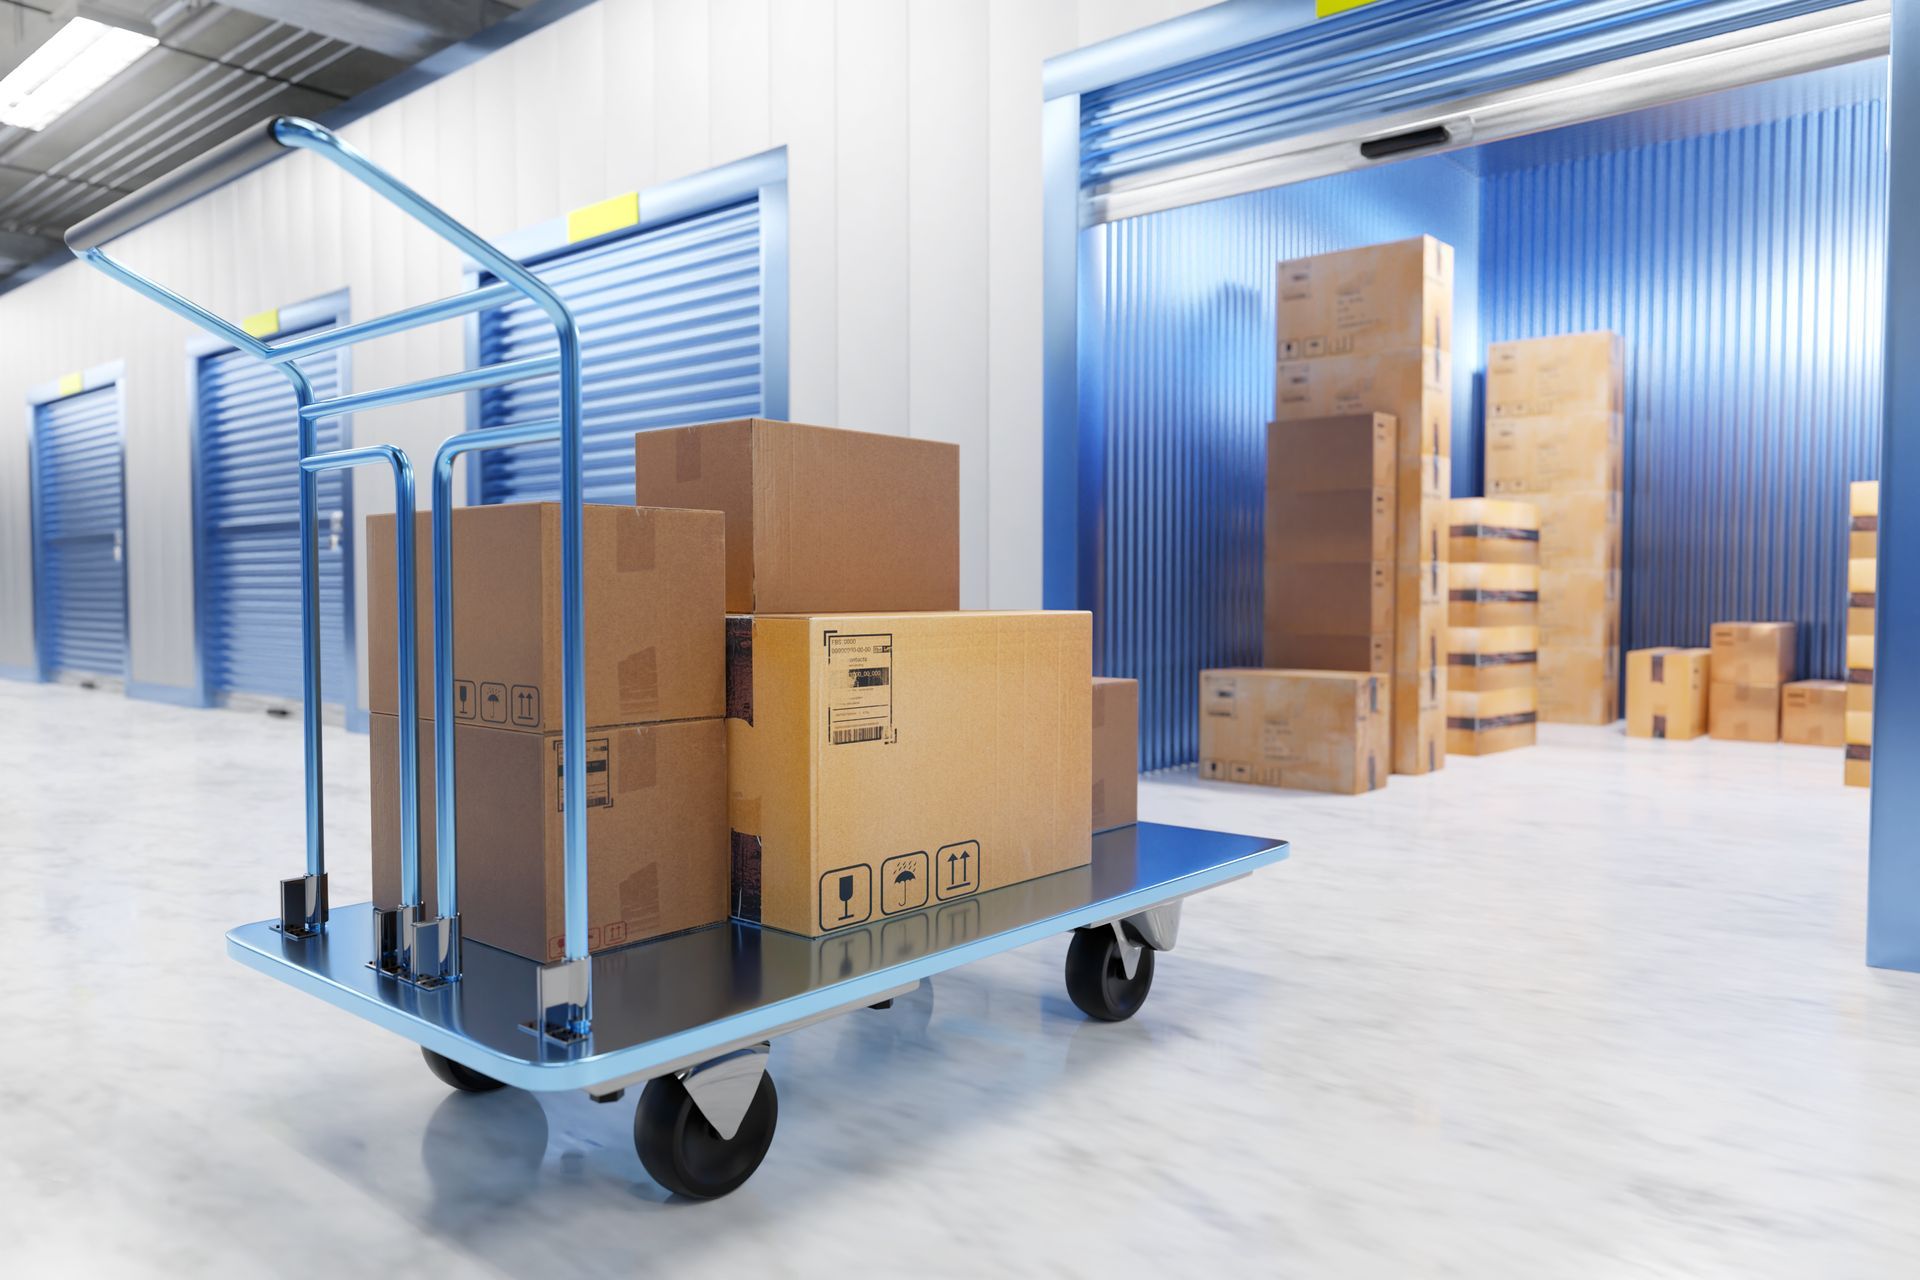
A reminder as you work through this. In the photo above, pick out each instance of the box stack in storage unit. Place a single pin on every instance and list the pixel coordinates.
(1863, 565)
(1492, 637)
(1311, 730)
(1752, 662)
(1667, 692)
(1554, 438)
(1369, 331)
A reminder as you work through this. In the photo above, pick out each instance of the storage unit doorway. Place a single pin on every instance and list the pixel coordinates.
(78, 468)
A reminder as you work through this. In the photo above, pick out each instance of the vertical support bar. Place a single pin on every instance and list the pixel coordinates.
(311, 901)
(573, 629)
(1060, 232)
(407, 694)
(1893, 874)
(445, 825)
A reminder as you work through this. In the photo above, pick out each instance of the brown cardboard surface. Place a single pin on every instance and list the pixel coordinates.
(1558, 452)
(861, 747)
(1493, 531)
(1864, 541)
(1814, 712)
(818, 519)
(655, 626)
(1328, 599)
(1116, 752)
(1474, 709)
(1757, 653)
(1859, 772)
(1346, 451)
(1859, 653)
(1743, 712)
(1487, 742)
(1579, 530)
(1558, 374)
(1330, 525)
(1667, 692)
(1488, 658)
(1579, 607)
(1859, 696)
(1492, 595)
(1856, 727)
(1362, 300)
(656, 831)
(1860, 622)
(1579, 685)
(1329, 652)
(1863, 575)
(1863, 498)
(1413, 384)
(1311, 730)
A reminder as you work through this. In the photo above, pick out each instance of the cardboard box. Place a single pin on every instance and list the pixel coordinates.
(1863, 573)
(1328, 599)
(1311, 730)
(1814, 712)
(1859, 655)
(656, 830)
(1330, 525)
(1864, 541)
(1856, 728)
(1493, 531)
(1742, 712)
(1753, 653)
(1413, 385)
(818, 520)
(655, 626)
(1487, 658)
(1492, 595)
(1560, 374)
(1492, 741)
(1667, 692)
(881, 763)
(1859, 767)
(1579, 607)
(1859, 696)
(1358, 301)
(1579, 530)
(1344, 452)
(1564, 452)
(1116, 752)
(1329, 652)
(1859, 622)
(1482, 723)
(1579, 685)
(1863, 498)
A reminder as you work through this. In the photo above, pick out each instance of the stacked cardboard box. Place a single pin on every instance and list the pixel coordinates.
(1863, 564)
(1752, 662)
(1369, 331)
(1813, 713)
(1116, 752)
(1667, 692)
(1312, 730)
(1492, 632)
(1554, 438)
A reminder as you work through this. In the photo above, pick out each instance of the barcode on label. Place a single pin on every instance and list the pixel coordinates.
(865, 733)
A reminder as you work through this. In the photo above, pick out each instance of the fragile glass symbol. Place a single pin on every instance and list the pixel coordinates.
(846, 897)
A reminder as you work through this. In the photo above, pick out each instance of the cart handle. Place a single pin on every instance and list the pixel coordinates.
(245, 151)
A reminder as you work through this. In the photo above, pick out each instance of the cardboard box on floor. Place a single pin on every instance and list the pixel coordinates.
(1116, 752)
(817, 519)
(1492, 531)
(656, 830)
(1814, 713)
(655, 624)
(1483, 723)
(1743, 712)
(1562, 373)
(1487, 658)
(880, 763)
(1310, 730)
(1859, 766)
(1753, 653)
(1667, 692)
(1359, 301)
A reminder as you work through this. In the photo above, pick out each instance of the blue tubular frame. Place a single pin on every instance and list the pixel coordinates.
(565, 1002)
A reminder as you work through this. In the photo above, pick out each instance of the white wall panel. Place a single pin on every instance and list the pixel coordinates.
(870, 68)
(738, 51)
(683, 79)
(805, 101)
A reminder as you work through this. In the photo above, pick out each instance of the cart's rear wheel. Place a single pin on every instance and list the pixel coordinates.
(457, 1076)
(685, 1154)
(1098, 982)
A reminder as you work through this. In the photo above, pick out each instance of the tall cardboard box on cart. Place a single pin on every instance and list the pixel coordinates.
(1366, 331)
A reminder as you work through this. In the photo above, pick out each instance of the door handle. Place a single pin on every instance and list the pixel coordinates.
(336, 520)
(119, 545)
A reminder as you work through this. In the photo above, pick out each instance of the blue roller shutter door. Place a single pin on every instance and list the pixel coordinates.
(79, 493)
(249, 513)
(671, 334)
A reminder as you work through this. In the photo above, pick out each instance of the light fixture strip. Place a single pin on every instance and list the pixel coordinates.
(77, 60)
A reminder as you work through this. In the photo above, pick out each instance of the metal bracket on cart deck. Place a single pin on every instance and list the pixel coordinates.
(433, 950)
(564, 990)
(303, 906)
(723, 1088)
(1157, 928)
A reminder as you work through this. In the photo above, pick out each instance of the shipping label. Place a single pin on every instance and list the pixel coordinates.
(859, 689)
(599, 788)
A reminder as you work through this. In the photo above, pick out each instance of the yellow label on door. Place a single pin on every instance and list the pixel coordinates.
(262, 324)
(72, 384)
(606, 216)
(1327, 8)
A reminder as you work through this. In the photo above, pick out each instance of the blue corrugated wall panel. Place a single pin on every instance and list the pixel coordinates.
(1744, 269)
(79, 518)
(1177, 354)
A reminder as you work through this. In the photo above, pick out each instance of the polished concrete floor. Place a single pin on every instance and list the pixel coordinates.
(1593, 1009)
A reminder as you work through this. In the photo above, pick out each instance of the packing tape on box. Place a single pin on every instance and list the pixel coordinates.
(639, 762)
(633, 547)
(639, 684)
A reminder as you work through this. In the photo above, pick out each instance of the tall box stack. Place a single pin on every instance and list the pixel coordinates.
(1863, 565)
(1492, 626)
(1751, 663)
(1554, 438)
(1368, 331)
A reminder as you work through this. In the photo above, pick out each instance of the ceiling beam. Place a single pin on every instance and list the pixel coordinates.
(408, 30)
(18, 247)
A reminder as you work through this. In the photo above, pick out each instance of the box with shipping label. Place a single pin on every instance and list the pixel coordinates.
(1742, 712)
(1116, 752)
(880, 763)
(1413, 385)
(1492, 595)
(1330, 525)
(1493, 531)
(1579, 530)
(1579, 685)
(1565, 452)
(656, 830)
(1345, 451)
(655, 625)
(1755, 653)
(1814, 712)
(818, 520)
(1565, 373)
(1859, 766)
(1862, 577)
(1859, 696)
(1860, 655)
(1483, 723)
(1358, 301)
(1579, 607)
(1667, 692)
(1310, 730)
(1488, 658)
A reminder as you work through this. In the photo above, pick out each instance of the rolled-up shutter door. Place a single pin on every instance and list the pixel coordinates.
(80, 581)
(249, 513)
(670, 324)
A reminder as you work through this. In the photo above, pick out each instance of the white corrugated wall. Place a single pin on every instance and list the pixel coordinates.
(913, 136)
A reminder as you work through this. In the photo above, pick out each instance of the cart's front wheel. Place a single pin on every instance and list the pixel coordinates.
(457, 1076)
(684, 1153)
(1097, 979)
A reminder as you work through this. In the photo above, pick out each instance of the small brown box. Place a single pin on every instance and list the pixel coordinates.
(1859, 767)
(1312, 730)
(656, 830)
(1492, 595)
(1359, 301)
(1563, 373)
(1342, 452)
(1743, 712)
(1667, 692)
(1480, 723)
(1493, 531)
(818, 520)
(1413, 385)
(1573, 452)
(1814, 713)
(1116, 752)
(1481, 659)
(1753, 653)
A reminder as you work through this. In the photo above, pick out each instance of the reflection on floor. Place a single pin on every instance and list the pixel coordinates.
(1597, 1008)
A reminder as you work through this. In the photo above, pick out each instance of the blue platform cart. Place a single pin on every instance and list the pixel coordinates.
(691, 1017)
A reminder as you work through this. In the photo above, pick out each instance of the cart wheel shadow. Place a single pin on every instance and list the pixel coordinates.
(482, 1151)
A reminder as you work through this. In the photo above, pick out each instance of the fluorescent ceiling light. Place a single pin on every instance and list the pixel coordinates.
(56, 77)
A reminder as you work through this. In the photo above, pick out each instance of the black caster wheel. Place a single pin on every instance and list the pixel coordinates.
(1098, 985)
(683, 1152)
(456, 1076)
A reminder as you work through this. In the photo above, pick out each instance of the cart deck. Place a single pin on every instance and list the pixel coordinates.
(683, 999)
